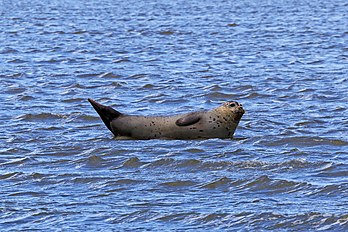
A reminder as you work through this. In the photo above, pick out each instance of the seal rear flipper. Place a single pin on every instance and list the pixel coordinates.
(106, 113)
(188, 120)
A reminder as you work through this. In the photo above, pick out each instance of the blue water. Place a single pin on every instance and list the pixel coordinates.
(286, 169)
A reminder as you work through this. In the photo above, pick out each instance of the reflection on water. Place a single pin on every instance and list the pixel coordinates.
(286, 62)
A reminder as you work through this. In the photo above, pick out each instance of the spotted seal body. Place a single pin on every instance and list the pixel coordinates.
(220, 122)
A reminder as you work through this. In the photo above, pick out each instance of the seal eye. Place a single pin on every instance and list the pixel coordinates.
(232, 105)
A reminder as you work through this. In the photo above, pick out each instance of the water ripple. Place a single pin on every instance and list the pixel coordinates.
(285, 61)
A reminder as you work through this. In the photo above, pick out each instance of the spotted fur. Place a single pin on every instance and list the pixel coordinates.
(220, 122)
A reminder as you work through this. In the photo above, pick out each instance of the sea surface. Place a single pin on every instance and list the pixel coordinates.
(286, 169)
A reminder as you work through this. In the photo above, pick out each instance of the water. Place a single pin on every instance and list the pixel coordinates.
(285, 61)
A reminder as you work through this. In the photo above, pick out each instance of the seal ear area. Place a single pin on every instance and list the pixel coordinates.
(106, 113)
(188, 119)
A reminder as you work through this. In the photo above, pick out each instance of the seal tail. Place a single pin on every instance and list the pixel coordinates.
(106, 113)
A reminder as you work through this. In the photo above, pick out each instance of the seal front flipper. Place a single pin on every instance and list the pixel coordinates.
(106, 113)
(189, 119)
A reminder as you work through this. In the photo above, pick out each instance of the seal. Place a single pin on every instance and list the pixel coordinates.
(220, 122)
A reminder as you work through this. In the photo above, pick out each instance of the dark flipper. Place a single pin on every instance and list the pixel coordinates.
(106, 113)
(189, 119)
